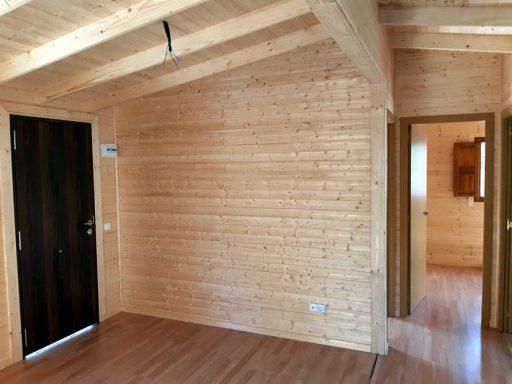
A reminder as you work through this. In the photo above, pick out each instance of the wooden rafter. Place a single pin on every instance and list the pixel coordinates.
(452, 42)
(446, 16)
(216, 34)
(7, 6)
(233, 60)
(93, 34)
(335, 17)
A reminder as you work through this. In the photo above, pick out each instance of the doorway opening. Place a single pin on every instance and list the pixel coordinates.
(447, 195)
(456, 201)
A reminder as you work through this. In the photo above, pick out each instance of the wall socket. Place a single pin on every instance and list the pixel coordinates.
(316, 308)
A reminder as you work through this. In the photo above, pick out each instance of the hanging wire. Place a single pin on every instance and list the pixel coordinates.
(169, 48)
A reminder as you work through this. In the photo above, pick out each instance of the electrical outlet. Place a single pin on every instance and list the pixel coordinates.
(316, 308)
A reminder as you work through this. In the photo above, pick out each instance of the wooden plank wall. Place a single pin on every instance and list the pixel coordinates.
(109, 206)
(455, 226)
(5, 340)
(246, 196)
(445, 83)
(507, 86)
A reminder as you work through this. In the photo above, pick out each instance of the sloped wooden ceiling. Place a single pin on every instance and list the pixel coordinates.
(87, 76)
(460, 25)
(445, 3)
(89, 54)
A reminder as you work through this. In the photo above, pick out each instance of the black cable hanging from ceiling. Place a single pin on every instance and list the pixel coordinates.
(169, 48)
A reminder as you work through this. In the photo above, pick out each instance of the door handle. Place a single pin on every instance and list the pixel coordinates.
(426, 213)
(89, 223)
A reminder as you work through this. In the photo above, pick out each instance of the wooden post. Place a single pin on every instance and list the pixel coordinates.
(379, 217)
(9, 235)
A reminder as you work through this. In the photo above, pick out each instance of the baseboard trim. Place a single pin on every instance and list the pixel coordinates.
(247, 328)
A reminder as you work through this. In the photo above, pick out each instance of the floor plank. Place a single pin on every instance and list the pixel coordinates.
(131, 348)
(442, 341)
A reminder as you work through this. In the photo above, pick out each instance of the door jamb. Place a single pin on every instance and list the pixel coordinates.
(7, 211)
(505, 275)
(404, 244)
(391, 219)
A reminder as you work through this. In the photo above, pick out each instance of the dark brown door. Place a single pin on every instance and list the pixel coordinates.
(54, 198)
(507, 147)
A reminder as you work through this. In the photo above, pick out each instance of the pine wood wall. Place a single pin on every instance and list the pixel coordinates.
(111, 270)
(5, 318)
(455, 226)
(507, 85)
(246, 196)
(5, 340)
(445, 83)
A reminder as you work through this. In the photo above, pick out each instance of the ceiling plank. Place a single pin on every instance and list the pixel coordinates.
(452, 42)
(7, 6)
(127, 20)
(236, 59)
(350, 24)
(446, 16)
(216, 34)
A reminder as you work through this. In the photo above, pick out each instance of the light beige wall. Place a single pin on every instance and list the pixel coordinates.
(430, 83)
(455, 225)
(110, 215)
(5, 340)
(447, 83)
(507, 85)
(246, 196)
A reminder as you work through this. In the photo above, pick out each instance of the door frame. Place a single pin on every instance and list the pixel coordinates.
(404, 210)
(505, 293)
(8, 209)
(391, 217)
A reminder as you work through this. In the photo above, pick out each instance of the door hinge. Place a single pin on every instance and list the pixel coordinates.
(19, 240)
(509, 225)
(25, 338)
(14, 139)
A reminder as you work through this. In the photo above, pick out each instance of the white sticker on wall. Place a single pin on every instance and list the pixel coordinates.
(108, 150)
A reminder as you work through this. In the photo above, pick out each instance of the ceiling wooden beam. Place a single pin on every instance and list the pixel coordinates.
(446, 16)
(216, 34)
(127, 20)
(23, 96)
(452, 42)
(350, 23)
(7, 6)
(233, 60)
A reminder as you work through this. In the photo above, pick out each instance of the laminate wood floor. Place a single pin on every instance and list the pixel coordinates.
(135, 349)
(442, 341)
